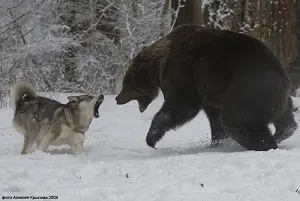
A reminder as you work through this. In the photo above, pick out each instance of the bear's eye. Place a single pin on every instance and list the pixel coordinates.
(127, 80)
(137, 90)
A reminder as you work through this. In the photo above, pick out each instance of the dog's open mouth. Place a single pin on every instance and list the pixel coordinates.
(97, 105)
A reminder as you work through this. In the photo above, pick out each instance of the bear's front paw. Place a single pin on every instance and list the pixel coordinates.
(151, 141)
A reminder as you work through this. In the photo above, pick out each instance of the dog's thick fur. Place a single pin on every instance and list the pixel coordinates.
(48, 122)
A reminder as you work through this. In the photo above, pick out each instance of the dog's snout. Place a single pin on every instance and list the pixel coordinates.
(101, 97)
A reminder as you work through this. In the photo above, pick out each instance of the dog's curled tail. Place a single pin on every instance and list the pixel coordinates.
(20, 91)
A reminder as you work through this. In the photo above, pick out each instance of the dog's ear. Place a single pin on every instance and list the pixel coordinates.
(73, 98)
(24, 96)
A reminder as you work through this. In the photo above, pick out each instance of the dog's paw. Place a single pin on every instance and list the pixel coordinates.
(23, 153)
(77, 149)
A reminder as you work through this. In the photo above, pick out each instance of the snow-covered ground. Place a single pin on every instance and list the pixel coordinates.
(118, 166)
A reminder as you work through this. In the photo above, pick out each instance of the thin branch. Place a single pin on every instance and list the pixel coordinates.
(176, 14)
(28, 32)
(95, 24)
(12, 7)
(13, 21)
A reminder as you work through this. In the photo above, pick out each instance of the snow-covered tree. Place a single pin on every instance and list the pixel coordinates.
(75, 46)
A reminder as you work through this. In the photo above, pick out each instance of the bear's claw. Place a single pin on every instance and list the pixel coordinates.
(151, 142)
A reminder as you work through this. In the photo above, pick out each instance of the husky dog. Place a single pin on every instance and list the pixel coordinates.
(48, 122)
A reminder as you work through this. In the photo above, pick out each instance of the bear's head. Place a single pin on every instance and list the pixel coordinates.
(139, 83)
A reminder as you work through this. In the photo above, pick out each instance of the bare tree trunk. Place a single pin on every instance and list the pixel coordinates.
(164, 15)
(189, 12)
(67, 17)
(2, 95)
(3, 81)
(296, 32)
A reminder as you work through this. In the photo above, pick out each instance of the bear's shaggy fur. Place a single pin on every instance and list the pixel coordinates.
(234, 78)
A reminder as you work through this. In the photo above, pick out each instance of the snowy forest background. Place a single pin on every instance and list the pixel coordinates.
(84, 45)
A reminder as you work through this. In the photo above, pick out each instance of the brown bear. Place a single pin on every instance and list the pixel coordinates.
(234, 78)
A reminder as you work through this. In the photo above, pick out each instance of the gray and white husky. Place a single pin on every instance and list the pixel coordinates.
(46, 122)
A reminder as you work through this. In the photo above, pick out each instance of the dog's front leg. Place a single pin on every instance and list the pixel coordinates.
(50, 137)
(28, 142)
(76, 143)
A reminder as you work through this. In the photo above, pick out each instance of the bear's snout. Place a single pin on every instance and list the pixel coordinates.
(119, 102)
(123, 97)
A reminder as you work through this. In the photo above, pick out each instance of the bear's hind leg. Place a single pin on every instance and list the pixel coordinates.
(217, 132)
(245, 115)
(285, 124)
(253, 137)
(174, 113)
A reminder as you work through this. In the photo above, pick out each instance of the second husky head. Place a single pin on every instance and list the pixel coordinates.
(86, 103)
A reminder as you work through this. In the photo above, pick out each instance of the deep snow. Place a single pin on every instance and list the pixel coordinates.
(118, 166)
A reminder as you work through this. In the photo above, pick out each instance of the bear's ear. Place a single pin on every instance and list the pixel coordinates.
(142, 68)
(142, 52)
